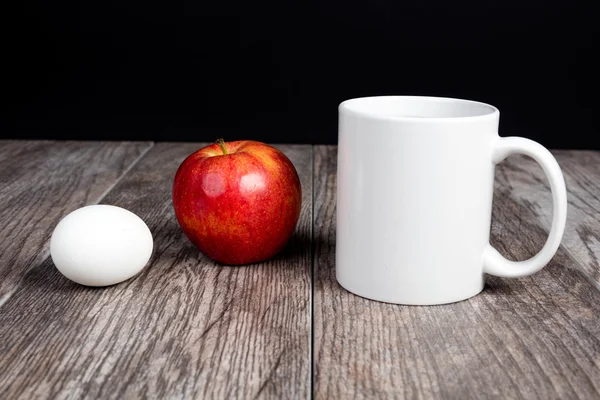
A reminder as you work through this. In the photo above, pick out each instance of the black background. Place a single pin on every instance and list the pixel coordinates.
(276, 71)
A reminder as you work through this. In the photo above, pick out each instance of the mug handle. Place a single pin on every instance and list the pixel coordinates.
(493, 262)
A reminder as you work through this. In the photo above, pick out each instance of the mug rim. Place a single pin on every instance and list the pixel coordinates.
(350, 106)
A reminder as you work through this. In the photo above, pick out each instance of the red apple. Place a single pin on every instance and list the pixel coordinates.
(238, 202)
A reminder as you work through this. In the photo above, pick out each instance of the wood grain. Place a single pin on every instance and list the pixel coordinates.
(184, 328)
(529, 187)
(40, 182)
(535, 337)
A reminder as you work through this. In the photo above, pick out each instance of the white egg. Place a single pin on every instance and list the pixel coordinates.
(101, 245)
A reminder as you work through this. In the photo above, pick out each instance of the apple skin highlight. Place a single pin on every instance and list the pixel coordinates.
(238, 202)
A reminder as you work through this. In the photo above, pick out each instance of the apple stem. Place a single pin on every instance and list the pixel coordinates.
(221, 143)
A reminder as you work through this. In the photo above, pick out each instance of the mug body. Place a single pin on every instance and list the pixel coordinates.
(414, 197)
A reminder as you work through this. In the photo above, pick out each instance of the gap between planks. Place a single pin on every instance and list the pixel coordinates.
(312, 279)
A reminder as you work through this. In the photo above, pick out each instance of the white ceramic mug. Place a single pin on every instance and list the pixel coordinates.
(414, 198)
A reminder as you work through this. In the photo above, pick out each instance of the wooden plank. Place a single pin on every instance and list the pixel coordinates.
(42, 181)
(183, 328)
(535, 337)
(529, 187)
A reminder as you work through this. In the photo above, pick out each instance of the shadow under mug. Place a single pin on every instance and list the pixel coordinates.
(414, 198)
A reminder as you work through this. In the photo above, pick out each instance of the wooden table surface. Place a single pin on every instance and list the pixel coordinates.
(187, 328)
